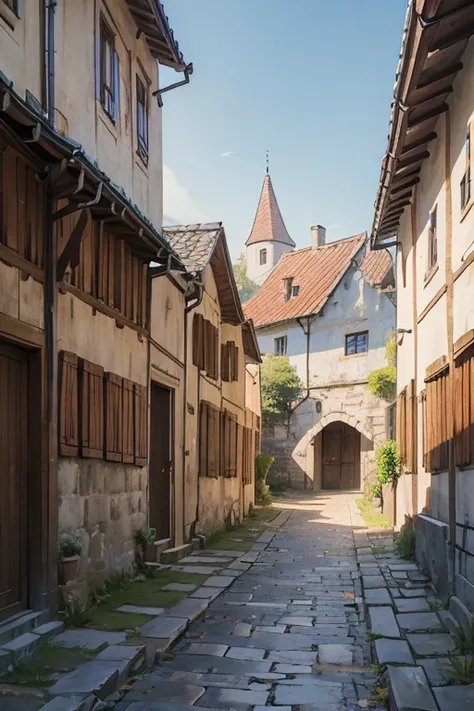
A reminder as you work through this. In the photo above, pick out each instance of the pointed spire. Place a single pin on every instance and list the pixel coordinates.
(268, 225)
(268, 164)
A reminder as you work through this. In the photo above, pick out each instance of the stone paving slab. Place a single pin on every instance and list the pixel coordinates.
(413, 604)
(378, 596)
(169, 691)
(164, 627)
(455, 698)
(393, 651)
(88, 639)
(434, 669)
(100, 678)
(409, 689)
(419, 621)
(221, 665)
(206, 649)
(429, 645)
(323, 694)
(206, 593)
(232, 698)
(199, 569)
(141, 610)
(180, 587)
(382, 621)
(219, 581)
(189, 608)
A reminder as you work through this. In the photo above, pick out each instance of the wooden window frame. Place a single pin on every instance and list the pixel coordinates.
(356, 335)
(142, 118)
(262, 257)
(109, 86)
(465, 185)
(281, 345)
(433, 239)
(295, 290)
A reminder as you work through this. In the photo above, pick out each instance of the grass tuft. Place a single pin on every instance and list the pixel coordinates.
(372, 517)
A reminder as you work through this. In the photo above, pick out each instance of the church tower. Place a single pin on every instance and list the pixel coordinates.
(269, 238)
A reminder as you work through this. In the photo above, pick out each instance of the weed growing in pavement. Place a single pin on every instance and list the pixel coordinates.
(436, 606)
(464, 639)
(374, 635)
(462, 672)
(379, 694)
(405, 542)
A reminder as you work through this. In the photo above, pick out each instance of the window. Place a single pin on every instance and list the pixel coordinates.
(229, 437)
(229, 361)
(205, 346)
(466, 179)
(405, 426)
(357, 343)
(209, 440)
(12, 5)
(263, 256)
(281, 346)
(295, 290)
(101, 415)
(433, 239)
(248, 455)
(109, 72)
(142, 120)
(436, 417)
(288, 287)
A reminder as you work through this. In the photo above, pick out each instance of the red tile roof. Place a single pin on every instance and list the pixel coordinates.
(268, 225)
(377, 268)
(317, 273)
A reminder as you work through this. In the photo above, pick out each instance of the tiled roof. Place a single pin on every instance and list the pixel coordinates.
(194, 243)
(377, 267)
(317, 273)
(268, 224)
(152, 22)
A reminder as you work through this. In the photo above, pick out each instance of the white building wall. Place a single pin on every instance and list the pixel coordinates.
(338, 382)
(259, 272)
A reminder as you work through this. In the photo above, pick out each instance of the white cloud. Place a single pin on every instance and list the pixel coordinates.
(178, 206)
(227, 154)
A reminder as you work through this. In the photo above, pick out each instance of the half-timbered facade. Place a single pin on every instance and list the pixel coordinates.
(80, 221)
(424, 207)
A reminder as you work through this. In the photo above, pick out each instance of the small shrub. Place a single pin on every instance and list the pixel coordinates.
(145, 536)
(69, 545)
(383, 383)
(388, 462)
(374, 491)
(405, 543)
(464, 639)
(76, 614)
(263, 462)
(462, 672)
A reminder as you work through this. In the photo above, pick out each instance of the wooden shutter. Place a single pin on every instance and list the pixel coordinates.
(401, 426)
(411, 434)
(224, 363)
(141, 424)
(438, 427)
(113, 417)
(198, 341)
(203, 440)
(213, 442)
(128, 420)
(464, 410)
(68, 405)
(92, 410)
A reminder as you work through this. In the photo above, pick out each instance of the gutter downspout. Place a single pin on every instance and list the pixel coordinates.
(188, 310)
(51, 79)
(187, 71)
(307, 333)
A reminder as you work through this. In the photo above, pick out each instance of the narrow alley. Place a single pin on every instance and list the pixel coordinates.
(288, 632)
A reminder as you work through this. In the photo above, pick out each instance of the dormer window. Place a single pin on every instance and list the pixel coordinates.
(295, 290)
(263, 256)
(288, 288)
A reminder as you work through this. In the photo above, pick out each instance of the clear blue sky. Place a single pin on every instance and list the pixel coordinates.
(309, 80)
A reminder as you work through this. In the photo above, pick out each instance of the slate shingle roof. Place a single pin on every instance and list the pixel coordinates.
(317, 273)
(194, 243)
(268, 225)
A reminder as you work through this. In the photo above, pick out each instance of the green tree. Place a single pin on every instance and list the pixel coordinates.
(281, 386)
(245, 286)
(383, 382)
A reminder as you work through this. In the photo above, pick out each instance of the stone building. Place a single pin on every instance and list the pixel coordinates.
(424, 206)
(328, 308)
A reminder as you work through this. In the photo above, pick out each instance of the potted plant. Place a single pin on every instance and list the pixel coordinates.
(145, 538)
(70, 547)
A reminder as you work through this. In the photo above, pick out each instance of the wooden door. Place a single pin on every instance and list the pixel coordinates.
(13, 480)
(160, 461)
(341, 457)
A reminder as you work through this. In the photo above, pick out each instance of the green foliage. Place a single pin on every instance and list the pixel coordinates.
(281, 386)
(388, 462)
(383, 383)
(464, 639)
(391, 350)
(69, 545)
(76, 613)
(374, 491)
(245, 286)
(405, 542)
(462, 671)
(145, 536)
(263, 462)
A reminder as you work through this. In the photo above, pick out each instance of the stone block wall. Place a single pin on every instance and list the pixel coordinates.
(103, 503)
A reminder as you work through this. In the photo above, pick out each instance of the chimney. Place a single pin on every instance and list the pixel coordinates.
(318, 236)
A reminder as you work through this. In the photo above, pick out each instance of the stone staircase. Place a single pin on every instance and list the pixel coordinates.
(167, 555)
(20, 634)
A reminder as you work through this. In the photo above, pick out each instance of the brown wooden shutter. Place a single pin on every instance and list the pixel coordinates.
(92, 410)
(235, 374)
(128, 422)
(113, 417)
(203, 440)
(464, 411)
(224, 374)
(68, 405)
(438, 419)
(411, 427)
(213, 442)
(141, 424)
(198, 341)
(401, 426)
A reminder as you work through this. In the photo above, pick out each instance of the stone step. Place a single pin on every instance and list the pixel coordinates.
(20, 624)
(173, 555)
(409, 689)
(49, 629)
(22, 646)
(160, 546)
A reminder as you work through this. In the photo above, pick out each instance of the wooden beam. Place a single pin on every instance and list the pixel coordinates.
(397, 208)
(408, 184)
(435, 95)
(452, 38)
(419, 142)
(401, 180)
(417, 158)
(399, 198)
(13, 259)
(434, 113)
(442, 74)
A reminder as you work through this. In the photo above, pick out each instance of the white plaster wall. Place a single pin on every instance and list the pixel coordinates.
(259, 272)
(20, 49)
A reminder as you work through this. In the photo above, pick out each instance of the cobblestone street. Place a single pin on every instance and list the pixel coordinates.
(288, 632)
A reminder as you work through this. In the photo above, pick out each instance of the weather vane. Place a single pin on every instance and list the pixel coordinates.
(268, 164)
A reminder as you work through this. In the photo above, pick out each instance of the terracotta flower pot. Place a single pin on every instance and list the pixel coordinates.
(68, 569)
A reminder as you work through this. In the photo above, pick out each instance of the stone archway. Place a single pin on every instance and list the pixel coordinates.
(309, 448)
